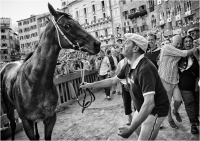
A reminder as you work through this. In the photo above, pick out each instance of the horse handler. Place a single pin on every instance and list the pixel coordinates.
(146, 89)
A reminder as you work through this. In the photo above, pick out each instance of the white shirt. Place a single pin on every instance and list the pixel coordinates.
(104, 66)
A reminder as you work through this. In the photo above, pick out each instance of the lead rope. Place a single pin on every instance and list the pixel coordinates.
(92, 96)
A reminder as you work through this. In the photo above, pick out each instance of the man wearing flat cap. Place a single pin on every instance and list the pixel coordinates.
(194, 32)
(146, 89)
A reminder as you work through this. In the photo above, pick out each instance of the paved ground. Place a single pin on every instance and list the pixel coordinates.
(101, 121)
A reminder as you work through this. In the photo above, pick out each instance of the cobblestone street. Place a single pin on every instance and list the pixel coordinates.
(101, 121)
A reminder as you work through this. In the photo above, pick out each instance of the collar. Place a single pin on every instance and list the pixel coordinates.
(136, 62)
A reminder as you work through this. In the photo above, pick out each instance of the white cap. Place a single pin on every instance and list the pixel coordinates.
(138, 39)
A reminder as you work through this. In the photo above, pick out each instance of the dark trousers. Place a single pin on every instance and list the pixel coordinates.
(191, 101)
(127, 100)
(107, 89)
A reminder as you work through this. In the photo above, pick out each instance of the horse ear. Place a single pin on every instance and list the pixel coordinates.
(52, 10)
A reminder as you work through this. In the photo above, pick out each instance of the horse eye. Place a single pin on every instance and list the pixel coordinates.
(66, 25)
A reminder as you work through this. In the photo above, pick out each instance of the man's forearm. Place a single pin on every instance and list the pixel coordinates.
(142, 116)
(189, 52)
(103, 83)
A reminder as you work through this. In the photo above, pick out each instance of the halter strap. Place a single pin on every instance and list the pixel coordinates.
(59, 30)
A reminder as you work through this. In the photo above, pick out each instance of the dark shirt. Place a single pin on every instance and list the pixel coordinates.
(144, 79)
(188, 77)
(153, 56)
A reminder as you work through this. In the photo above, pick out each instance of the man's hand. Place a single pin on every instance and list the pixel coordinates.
(85, 85)
(124, 132)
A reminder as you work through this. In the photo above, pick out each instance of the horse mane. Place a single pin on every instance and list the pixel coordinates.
(28, 56)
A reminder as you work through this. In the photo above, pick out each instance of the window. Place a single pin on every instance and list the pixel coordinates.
(106, 32)
(124, 1)
(63, 3)
(10, 37)
(19, 24)
(153, 21)
(2, 30)
(125, 14)
(20, 31)
(104, 15)
(103, 5)
(4, 45)
(3, 37)
(93, 8)
(142, 7)
(170, 25)
(178, 9)
(168, 13)
(132, 11)
(95, 18)
(162, 16)
(187, 5)
(151, 3)
(96, 33)
(85, 11)
(77, 14)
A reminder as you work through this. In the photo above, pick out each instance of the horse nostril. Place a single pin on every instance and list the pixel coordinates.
(97, 45)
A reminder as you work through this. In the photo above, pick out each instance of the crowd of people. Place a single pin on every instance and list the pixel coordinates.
(153, 77)
(150, 76)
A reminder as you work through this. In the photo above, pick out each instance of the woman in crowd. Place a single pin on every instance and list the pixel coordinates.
(189, 73)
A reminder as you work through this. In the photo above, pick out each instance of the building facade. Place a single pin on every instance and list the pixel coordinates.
(96, 17)
(30, 30)
(28, 33)
(162, 17)
(9, 41)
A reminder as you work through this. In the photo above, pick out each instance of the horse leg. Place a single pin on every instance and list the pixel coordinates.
(49, 124)
(37, 136)
(11, 117)
(29, 128)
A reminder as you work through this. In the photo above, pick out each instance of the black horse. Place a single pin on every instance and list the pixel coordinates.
(28, 87)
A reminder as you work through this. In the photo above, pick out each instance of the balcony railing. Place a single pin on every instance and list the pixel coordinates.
(137, 14)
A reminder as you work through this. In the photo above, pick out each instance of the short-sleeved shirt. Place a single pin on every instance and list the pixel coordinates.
(104, 66)
(144, 80)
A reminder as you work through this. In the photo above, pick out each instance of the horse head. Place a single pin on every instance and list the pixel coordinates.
(70, 34)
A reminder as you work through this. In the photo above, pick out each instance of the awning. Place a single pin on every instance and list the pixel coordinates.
(137, 14)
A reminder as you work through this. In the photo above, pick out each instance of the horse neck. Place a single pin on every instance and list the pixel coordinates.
(40, 68)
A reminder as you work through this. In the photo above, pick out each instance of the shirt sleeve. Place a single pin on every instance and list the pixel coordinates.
(121, 74)
(172, 51)
(147, 81)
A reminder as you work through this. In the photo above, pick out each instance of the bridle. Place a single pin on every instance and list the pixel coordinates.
(58, 30)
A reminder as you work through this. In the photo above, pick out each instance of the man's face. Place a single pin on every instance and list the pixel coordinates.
(194, 34)
(177, 42)
(187, 43)
(128, 46)
(151, 41)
